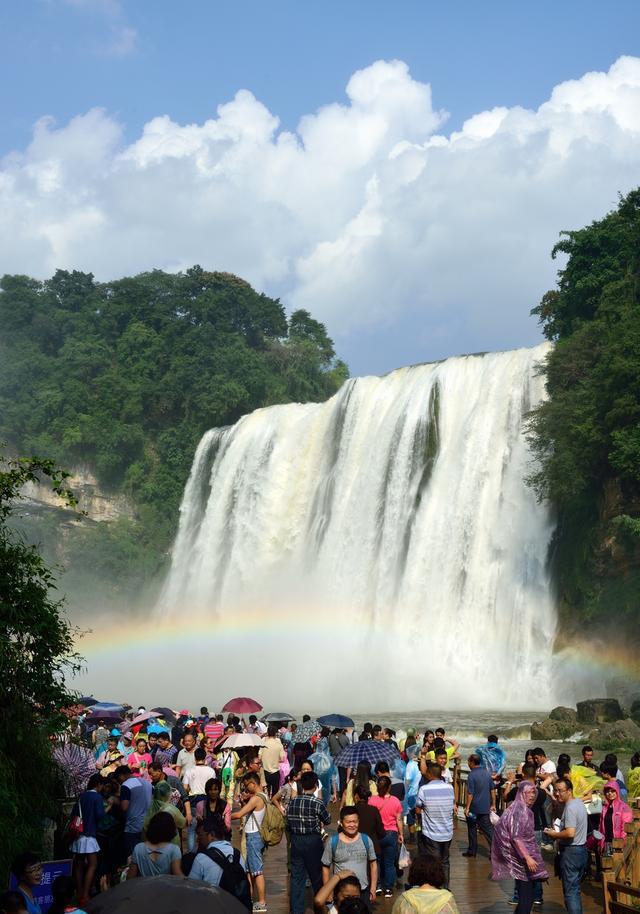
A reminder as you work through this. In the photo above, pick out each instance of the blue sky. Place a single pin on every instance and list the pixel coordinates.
(141, 59)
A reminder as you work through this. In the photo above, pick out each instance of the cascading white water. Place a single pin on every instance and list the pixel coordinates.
(383, 544)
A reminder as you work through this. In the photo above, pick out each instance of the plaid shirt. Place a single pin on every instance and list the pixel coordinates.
(306, 815)
(166, 756)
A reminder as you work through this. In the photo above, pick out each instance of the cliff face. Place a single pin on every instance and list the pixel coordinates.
(93, 501)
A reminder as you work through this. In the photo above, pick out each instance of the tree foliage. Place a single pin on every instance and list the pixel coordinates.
(125, 377)
(36, 653)
(587, 434)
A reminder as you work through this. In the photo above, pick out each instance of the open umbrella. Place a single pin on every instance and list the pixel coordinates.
(106, 714)
(167, 714)
(108, 704)
(306, 730)
(368, 750)
(238, 740)
(87, 700)
(242, 706)
(165, 895)
(141, 718)
(277, 717)
(76, 764)
(336, 720)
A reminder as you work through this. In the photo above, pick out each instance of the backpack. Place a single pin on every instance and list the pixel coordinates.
(336, 838)
(273, 824)
(234, 879)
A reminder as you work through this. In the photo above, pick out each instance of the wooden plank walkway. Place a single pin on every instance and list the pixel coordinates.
(474, 891)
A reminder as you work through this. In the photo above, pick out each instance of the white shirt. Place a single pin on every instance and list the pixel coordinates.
(545, 770)
(196, 778)
(185, 760)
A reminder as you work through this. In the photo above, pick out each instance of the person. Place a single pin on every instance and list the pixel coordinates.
(435, 801)
(367, 732)
(14, 903)
(546, 769)
(563, 765)
(397, 784)
(587, 758)
(85, 848)
(214, 805)
(427, 894)
(100, 735)
(27, 869)
(158, 854)
(227, 766)
(195, 778)
(186, 757)
(179, 797)
(515, 852)
(442, 759)
(288, 790)
(390, 809)
(152, 744)
(369, 822)
(362, 776)
(214, 848)
(338, 741)
(633, 777)
(481, 801)
(141, 758)
(252, 765)
(572, 839)
(253, 811)
(339, 887)
(612, 759)
(493, 758)
(615, 814)
(135, 799)
(166, 752)
(377, 734)
(127, 744)
(214, 728)
(109, 758)
(62, 891)
(161, 802)
(306, 817)
(351, 850)
(609, 771)
(271, 754)
(539, 823)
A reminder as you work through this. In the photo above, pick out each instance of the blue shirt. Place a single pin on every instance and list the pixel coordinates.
(92, 808)
(479, 785)
(138, 793)
(206, 870)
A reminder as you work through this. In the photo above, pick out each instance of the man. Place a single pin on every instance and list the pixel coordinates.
(166, 752)
(256, 726)
(135, 800)
(481, 801)
(539, 823)
(546, 769)
(179, 797)
(99, 735)
(442, 759)
(339, 740)
(587, 758)
(351, 850)
(109, 760)
(271, 755)
(253, 814)
(306, 815)
(572, 840)
(435, 802)
(186, 758)
(152, 743)
(378, 735)
(212, 847)
(195, 780)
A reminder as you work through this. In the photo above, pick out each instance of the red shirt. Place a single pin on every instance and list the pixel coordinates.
(213, 730)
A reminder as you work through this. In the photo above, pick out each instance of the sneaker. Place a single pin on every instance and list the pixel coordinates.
(379, 890)
(259, 907)
(537, 903)
(388, 893)
(513, 902)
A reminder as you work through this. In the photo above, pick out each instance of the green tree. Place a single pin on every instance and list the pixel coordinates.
(36, 654)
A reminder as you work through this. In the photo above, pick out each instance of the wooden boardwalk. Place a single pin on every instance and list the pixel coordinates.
(474, 891)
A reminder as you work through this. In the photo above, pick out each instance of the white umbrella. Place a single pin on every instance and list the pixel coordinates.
(238, 740)
(145, 716)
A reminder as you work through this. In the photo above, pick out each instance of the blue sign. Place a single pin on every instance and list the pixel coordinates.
(50, 870)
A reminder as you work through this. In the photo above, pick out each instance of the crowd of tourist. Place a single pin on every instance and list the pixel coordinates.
(166, 791)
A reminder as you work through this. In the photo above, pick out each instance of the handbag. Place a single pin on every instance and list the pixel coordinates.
(76, 825)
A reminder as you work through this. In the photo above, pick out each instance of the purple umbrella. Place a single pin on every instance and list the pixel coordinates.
(76, 764)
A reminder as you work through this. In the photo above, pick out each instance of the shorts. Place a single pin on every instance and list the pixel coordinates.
(255, 847)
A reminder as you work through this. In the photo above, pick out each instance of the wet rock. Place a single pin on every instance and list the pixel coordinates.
(567, 715)
(552, 729)
(622, 733)
(634, 713)
(599, 711)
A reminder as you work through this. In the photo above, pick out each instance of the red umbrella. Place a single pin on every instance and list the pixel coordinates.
(242, 706)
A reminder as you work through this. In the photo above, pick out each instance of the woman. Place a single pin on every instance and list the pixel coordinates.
(339, 887)
(362, 777)
(85, 848)
(514, 849)
(287, 791)
(615, 814)
(633, 777)
(161, 803)
(563, 768)
(426, 876)
(158, 854)
(140, 760)
(390, 809)
(213, 804)
(28, 871)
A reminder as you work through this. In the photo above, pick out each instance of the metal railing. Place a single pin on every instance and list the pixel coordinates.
(621, 871)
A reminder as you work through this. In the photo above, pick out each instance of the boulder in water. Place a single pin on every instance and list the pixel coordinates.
(599, 711)
(566, 715)
(620, 734)
(552, 729)
(634, 713)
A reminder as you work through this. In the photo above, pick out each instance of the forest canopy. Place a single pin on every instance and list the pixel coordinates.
(587, 434)
(124, 377)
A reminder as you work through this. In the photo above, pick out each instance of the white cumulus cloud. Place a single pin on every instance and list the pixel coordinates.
(400, 236)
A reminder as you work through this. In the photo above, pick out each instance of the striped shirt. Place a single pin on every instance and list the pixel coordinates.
(214, 730)
(436, 801)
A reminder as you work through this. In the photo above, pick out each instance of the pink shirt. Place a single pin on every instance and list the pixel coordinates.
(390, 808)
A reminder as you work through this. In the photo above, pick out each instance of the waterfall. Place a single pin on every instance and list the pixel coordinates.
(382, 542)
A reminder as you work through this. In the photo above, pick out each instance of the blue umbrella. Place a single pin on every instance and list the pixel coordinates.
(369, 750)
(336, 720)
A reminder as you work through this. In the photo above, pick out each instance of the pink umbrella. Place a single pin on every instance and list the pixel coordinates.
(141, 718)
(242, 706)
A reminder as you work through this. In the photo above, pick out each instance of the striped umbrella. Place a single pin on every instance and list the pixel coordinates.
(369, 750)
